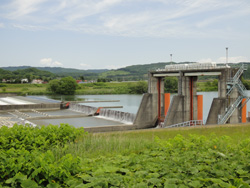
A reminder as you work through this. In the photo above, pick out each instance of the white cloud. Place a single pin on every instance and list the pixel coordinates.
(205, 60)
(85, 66)
(20, 8)
(50, 63)
(233, 59)
(154, 18)
(1, 25)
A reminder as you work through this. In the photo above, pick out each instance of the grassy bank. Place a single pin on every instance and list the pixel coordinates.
(109, 144)
(83, 89)
(23, 89)
(97, 88)
(67, 157)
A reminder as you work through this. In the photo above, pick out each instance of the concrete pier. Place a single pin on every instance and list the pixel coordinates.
(185, 105)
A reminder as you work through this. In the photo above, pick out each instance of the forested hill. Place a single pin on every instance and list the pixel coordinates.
(29, 73)
(133, 72)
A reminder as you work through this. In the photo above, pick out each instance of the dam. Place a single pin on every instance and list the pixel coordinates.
(155, 107)
(185, 109)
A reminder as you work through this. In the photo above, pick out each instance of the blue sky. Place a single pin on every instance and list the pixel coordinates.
(98, 34)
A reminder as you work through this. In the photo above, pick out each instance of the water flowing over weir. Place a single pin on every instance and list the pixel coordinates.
(124, 117)
(82, 108)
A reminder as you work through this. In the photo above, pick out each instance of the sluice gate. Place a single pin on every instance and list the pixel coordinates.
(187, 106)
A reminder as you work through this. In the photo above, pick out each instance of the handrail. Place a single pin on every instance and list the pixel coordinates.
(230, 111)
(187, 124)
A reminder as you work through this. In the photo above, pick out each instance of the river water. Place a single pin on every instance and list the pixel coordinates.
(129, 103)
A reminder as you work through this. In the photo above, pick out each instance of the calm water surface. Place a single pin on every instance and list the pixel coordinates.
(130, 103)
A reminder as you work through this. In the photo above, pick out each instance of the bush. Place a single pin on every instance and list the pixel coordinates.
(171, 84)
(65, 86)
(138, 88)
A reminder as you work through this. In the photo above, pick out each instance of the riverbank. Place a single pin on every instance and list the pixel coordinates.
(97, 88)
(83, 89)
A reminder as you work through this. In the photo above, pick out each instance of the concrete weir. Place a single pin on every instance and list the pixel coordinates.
(186, 106)
(8, 103)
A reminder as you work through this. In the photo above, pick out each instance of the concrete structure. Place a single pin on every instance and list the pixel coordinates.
(185, 106)
(18, 102)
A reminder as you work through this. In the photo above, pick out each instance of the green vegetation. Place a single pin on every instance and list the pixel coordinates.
(26, 159)
(129, 73)
(246, 83)
(23, 89)
(63, 156)
(29, 73)
(113, 88)
(171, 84)
(64, 86)
(208, 85)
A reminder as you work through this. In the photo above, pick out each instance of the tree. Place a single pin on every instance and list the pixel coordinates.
(171, 84)
(139, 88)
(82, 78)
(65, 86)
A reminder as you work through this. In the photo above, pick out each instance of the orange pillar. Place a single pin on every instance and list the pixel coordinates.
(167, 103)
(199, 107)
(244, 112)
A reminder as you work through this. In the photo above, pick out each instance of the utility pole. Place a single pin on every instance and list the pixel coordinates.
(226, 55)
(171, 58)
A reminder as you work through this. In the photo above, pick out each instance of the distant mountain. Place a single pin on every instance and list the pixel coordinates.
(55, 69)
(61, 72)
(133, 72)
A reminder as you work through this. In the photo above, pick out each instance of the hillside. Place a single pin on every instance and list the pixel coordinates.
(133, 72)
(62, 72)
(29, 73)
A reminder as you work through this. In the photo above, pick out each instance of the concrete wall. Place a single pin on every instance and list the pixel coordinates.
(176, 111)
(147, 114)
(7, 94)
(29, 106)
(218, 107)
(110, 128)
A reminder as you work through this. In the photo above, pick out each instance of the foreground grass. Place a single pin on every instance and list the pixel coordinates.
(63, 156)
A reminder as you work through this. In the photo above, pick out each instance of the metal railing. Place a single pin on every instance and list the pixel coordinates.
(230, 111)
(235, 82)
(240, 72)
(187, 124)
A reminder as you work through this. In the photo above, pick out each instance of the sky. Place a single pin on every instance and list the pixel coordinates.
(110, 34)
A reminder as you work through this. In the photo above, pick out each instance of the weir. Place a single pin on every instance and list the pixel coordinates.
(89, 110)
(187, 106)
(124, 117)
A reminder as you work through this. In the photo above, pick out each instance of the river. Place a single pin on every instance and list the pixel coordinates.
(129, 103)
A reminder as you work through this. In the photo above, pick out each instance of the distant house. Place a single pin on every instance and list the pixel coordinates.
(25, 80)
(37, 81)
(78, 81)
(86, 81)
